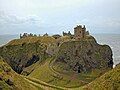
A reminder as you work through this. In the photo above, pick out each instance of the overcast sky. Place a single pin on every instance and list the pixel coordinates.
(55, 16)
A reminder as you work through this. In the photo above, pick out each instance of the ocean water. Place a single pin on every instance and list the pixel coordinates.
(6, 38)
(113, 40)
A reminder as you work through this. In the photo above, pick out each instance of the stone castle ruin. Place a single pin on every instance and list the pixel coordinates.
(80, 32)
(67, 34)
(27, 35)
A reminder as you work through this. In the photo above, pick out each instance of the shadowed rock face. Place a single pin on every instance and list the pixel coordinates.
(34, 59)
(84, 55)
(24, 55)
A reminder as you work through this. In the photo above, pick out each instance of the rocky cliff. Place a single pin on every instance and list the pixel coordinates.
(22, 53)
(83, 56)
(63, 62)
(80, 56)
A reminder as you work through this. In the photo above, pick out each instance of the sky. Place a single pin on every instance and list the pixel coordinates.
(56, 16)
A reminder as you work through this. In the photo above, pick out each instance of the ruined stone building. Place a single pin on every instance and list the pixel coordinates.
(80, 32)
(67, 34)
(45, 34)
(24, 35)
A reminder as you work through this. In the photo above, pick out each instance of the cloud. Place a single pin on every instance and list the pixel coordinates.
(55, 14)
(30, 6)
(15, 20)
(102, 22)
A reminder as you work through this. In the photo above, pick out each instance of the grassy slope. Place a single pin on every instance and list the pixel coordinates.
(45, 72)
(19, 83)
(108, 81)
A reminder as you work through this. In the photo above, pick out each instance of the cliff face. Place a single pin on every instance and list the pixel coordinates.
(83, 56)
(80, 56)
(23, 55)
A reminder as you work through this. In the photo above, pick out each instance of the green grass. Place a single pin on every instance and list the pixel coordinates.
(19, 83)
(47, 40)
(45, 85)
(4, 86)
(74, 79)
(109, 81)
(46, 73)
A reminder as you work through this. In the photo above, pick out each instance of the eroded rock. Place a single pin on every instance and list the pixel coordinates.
(84, 55)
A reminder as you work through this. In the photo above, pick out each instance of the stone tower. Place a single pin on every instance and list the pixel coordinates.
(79, 32)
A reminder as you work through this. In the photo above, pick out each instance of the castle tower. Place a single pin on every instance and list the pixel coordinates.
(79, 32)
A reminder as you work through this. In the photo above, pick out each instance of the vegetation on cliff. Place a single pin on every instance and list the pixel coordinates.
(21, 53)
(55, 62)
(10, 80)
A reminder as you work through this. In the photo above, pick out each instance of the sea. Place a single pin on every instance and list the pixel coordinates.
(113, 40)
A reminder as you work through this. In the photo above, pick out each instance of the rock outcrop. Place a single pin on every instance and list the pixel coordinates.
(84, 56)
(23, 55)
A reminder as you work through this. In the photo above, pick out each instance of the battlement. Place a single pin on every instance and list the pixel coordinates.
(80, 27)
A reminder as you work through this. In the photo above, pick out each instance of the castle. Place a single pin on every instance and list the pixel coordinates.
(27, 35)
(80, 32)
(67, 34)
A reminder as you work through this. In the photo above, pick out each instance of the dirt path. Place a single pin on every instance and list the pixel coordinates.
(61, 75)
(43, 85)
